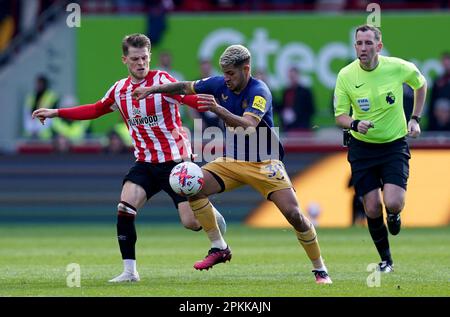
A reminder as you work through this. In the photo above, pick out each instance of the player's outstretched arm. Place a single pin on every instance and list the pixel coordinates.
(177, 88)
(84, 112)
(44, 113)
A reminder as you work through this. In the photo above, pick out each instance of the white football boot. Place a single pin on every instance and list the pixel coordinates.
(126, 277)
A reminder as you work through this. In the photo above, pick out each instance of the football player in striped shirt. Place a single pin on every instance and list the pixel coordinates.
(158, 138)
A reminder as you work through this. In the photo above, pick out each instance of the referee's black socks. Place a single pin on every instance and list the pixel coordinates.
(379, 235)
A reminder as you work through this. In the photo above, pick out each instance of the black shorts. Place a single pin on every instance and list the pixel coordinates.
(154, 177)
(374, 165)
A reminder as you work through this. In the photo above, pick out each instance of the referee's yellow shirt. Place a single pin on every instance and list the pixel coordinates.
(377, 96)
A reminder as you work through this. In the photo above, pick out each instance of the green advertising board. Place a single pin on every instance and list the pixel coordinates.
(317, 44)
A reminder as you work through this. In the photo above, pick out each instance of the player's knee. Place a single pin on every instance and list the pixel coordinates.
(394, 206)
(126, 208)
(373, 210)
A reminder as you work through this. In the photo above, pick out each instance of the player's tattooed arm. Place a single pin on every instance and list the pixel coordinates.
(177, 88)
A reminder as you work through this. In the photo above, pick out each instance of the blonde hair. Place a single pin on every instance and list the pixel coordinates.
(235, 55)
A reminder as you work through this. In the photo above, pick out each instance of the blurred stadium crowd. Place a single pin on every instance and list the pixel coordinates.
(21, 22)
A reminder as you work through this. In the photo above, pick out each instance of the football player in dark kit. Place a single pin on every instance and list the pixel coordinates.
(244, 103)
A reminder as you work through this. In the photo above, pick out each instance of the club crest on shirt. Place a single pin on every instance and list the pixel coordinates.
(363, 103)
(136, 112)
(244, 104)
(224, 98)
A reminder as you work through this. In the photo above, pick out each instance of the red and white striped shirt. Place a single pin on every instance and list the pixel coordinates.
(154, 123)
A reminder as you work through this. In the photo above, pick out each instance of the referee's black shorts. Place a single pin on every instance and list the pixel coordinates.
(374, 165)
(154, 177)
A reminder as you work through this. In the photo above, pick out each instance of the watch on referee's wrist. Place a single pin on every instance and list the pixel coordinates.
(417, 118)
(354, 125)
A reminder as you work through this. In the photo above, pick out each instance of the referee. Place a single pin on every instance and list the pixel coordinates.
(371, 86)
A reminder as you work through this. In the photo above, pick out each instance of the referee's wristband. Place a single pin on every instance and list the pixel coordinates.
(354, 125)
(417, 118)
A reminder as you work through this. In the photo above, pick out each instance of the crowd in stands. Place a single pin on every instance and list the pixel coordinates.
(252, 5)
(295, 109)
(22, 16)
(438, 112)
(22, 20)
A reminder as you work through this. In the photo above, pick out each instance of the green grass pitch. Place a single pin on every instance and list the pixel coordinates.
(265, 263)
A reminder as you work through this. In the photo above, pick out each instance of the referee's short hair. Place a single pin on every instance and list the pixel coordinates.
(367, 27)
(235, 55)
